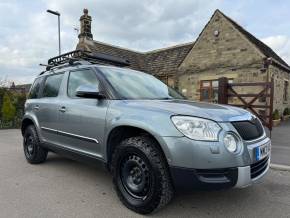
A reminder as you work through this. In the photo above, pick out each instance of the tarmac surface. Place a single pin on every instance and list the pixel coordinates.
(65, 188)
(281, 144)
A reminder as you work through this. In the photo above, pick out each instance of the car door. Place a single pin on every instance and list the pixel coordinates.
(33, 100)
(82, 120)
(47, 107)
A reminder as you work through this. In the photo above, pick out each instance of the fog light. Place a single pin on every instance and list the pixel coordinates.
(231, 142)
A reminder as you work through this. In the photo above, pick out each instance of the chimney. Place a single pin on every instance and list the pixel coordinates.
(86, 22)
(12, 86)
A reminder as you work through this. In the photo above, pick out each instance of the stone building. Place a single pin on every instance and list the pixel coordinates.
(222, 49)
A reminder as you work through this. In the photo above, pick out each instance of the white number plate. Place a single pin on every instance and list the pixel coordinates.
(262, 151)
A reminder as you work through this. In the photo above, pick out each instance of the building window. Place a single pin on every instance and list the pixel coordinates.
(285, 94)
(209, 90)
(168, 80)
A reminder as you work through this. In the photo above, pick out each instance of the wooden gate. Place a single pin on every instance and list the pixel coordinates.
(228, 94)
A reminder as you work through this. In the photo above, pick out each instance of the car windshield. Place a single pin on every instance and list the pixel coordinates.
(131, 84)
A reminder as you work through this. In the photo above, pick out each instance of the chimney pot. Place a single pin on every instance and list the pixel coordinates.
(86, 21)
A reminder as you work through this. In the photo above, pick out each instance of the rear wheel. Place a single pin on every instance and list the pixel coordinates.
(33, 152)
(140, 175)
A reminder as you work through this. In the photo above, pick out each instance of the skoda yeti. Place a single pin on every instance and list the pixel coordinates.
(152, 140)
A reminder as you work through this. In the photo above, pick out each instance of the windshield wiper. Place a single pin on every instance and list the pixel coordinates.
(165, 98)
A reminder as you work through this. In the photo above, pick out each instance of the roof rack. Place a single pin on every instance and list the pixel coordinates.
(85, 57)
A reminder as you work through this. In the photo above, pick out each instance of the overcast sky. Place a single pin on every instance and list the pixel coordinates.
(28, 34)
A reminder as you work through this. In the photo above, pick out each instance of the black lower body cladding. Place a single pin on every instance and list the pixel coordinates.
(186, 180)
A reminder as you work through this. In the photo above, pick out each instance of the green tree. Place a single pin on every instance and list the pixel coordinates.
(8, 109)
(19, 101)
(2, 91)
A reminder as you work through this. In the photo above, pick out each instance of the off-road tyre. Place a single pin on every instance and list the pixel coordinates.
(33, 151)
(140, 159)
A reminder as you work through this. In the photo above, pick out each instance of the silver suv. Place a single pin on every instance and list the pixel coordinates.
(152, 140)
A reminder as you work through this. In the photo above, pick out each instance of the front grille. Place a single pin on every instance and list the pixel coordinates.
(249, 129)
(259, 167)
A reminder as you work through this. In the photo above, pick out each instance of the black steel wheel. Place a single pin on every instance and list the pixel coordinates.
(29, 145)
(135, 176)
(33, 151)
(140, 175)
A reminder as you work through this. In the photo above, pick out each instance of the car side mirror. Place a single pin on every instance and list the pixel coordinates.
(89, 91)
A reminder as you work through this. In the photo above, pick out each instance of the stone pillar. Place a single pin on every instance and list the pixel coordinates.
(86, 21)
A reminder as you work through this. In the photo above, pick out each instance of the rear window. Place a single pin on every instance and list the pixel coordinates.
(52, 85)
(34, 91)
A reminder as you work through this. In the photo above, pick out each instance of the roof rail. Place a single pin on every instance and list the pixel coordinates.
(77, 56)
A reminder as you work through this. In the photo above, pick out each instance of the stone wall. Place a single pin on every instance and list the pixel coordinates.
(280, 77)
(189, 84)
(228, 54)
(228, 49)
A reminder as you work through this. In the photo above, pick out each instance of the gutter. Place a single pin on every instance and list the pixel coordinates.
(278, 64)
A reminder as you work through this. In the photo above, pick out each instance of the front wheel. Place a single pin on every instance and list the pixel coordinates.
(140, 175)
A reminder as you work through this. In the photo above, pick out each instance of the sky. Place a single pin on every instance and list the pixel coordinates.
(28, 34)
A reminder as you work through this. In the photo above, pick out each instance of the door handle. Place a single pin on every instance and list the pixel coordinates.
(62, 109)
(36, 107)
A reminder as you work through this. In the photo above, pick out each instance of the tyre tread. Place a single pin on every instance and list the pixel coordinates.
(149, 146)
(40, 153)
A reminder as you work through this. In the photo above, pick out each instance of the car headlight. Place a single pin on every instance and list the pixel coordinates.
(197, 128)
(231, 142)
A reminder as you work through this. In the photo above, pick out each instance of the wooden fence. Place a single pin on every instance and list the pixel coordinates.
(249, 101)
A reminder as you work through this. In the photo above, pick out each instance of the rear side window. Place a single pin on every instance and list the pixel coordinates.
(34, 91)
(52, 85)
(82, 77)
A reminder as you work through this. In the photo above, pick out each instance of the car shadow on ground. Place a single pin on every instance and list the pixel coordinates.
(58, 161)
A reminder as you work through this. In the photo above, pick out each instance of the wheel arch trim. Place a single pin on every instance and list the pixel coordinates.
(33, 120)
(151, 133)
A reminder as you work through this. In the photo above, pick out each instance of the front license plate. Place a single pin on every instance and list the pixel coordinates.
(262, 151)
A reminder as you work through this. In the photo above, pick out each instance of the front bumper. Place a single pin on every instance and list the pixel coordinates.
(210, 166)
(216, 179)
(185, 153)
(252, 174)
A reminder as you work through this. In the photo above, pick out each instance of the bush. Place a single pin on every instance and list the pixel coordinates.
(276, 115)
(286, 111)
(8, 109)
(2, 92)
(11, 108)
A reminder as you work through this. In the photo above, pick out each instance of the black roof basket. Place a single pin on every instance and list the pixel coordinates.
(92, 57)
